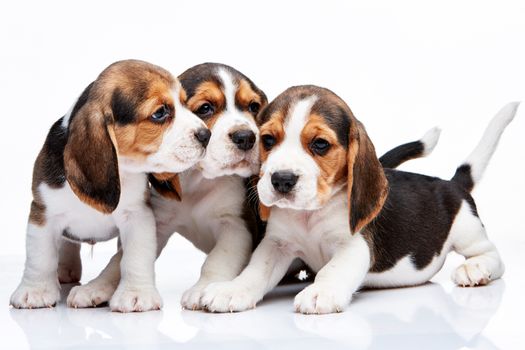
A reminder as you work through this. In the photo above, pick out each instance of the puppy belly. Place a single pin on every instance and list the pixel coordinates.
(405, 273)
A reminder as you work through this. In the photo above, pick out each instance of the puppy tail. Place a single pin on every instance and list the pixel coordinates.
(469, 173)
(411, 150)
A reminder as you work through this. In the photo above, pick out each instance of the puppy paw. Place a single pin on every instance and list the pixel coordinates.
(471, 274)
(70, 273)
(191, 299)
(136, 299)
(321, 299)
(229, 297)
(90, 295)
(35, 296)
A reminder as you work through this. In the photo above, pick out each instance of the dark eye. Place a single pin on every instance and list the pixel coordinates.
(268, 141)
(254, 107)
(320, 146)
(161, 114)
(205, 110)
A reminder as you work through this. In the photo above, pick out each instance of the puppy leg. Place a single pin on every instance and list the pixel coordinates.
(336, 282)
(136, 290)
(483, 263)
(100, 290)
(225, 261)
(267, 267)
(69, 263)
(39, 286)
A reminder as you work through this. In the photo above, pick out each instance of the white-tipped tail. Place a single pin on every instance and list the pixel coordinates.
(480, 156)
(430, 140)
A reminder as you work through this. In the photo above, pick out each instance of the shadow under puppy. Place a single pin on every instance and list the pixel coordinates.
(331, 203)
(90, 179)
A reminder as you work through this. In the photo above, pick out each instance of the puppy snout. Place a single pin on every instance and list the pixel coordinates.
(203, 136)
(243, 139)
(284, 181)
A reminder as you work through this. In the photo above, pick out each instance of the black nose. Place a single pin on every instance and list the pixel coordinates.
(284, 181)
(203, 135)
(243, 139)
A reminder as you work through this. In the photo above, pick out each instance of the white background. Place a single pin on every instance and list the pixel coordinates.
(402, 66)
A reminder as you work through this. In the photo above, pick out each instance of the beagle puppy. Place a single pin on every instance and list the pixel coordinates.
(90, 180)
(211, 206)
(330, 202)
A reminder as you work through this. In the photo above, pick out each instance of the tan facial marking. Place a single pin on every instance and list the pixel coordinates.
(332, 164)
(208, 92)
(245, 95)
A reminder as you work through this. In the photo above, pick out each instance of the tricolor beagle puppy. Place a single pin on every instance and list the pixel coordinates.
(90, 180)
(331, 203)
(213, 213)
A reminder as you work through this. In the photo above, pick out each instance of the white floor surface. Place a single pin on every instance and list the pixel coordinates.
(437, 315)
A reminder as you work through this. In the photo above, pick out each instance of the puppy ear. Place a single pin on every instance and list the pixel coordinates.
(367, 183)
(167, 185)
(90, 159)
(264, 211)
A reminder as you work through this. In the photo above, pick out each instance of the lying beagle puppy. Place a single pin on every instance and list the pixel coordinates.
(214, 214)
(354, 223)
(90, 180)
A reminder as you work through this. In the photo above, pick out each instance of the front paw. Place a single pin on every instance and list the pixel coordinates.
(90, 295)
(321, 299)
(135, 299)
(229, 297)
(191, 299)
(35, 296)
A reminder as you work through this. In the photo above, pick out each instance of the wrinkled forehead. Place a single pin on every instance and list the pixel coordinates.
(308, 104)
(221, 83)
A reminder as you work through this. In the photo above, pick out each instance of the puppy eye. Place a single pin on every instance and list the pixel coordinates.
(254, 107)
(320, 146)
(205, 110)
(161, 114)
(268, 141)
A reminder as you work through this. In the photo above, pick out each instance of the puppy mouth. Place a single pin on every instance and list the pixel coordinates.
(290, 201)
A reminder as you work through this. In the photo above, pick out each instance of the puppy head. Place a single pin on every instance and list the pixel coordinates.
(312, 146)
(228, 102)
(131, 117)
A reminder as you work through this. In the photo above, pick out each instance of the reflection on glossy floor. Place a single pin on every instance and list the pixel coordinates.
(437, 315)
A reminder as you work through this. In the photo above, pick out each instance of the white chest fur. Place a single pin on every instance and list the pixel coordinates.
(66, 212)
(204, 203)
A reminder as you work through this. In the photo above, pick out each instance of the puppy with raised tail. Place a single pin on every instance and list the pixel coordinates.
(330, 202)
(90, 181)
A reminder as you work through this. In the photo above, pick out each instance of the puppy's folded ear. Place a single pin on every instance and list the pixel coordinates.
(167, 185)
(90, 158)
(367, 183)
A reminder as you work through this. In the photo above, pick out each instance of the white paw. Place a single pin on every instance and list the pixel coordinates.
(70, 273)
(136, 299)
(321, 299)
(90, 295)
(471, 274)
(229, 297)
(35, 296)
(191, 299)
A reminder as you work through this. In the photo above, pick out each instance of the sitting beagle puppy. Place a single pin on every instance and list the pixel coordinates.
(355, 223)
(214, 213)
(90, 180)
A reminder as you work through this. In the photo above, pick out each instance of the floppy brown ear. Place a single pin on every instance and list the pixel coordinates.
(167, 185)
(367, 183)
(90, 159)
